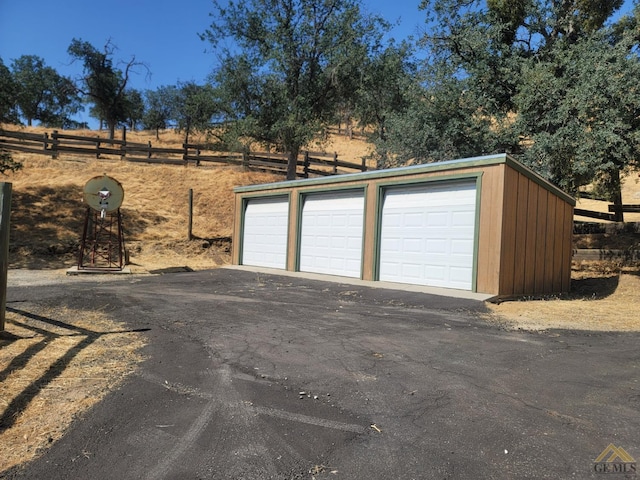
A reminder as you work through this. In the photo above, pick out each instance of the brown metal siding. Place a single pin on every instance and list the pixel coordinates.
(370, 214)
(237, 219)
(541, 235)
(509, 245)
(536, 244)
(490, 229)
(549, 267)
(292, 247)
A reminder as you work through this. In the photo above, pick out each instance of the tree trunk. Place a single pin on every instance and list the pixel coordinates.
(112, 129)
(292, 163)
(616, 186)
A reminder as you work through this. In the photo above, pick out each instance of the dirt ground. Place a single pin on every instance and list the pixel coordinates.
(65, 361)
(604, 297)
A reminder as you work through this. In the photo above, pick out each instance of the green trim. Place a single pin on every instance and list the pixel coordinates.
(321, 189)
(259, 195)
(380, 194)
(399, 172)
(302, 195)
(245, 201)
(377, 234)
(440, 178)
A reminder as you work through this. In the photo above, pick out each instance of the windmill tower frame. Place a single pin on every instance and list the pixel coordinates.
(102, 246)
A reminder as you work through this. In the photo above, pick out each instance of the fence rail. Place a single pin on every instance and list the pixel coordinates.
(55, 143)
(616, 216)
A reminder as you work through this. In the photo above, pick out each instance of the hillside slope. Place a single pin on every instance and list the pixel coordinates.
(48, 212)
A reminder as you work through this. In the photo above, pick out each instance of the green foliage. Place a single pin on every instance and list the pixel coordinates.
(383, 80)
(194, 108)
(580, 109)
(42, 94)
(548, 82)
(134, 107)
(7, 163)
(293, 66)
(160, 107)
(8, 89)
(442, 122)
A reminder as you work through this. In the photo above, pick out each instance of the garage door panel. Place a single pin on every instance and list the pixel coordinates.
(463, 218)
(331, 233)
(264, 241)
(435, 272)
(435, 246)
(427, 234)
(412, 245)
(462, 247)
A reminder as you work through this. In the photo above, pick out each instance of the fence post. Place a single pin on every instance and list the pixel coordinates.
(54, 144)
(98, 148)
(305, 171)
(44, 141)
(245, 159)
(190, 231)
(5, 214)
(364, 164)
(335, 163)
(185, 154)
(123, 147)
(149, 151)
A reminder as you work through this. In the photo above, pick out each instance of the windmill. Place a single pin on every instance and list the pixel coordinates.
(102, 246)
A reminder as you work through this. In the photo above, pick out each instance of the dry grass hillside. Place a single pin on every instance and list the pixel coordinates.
(48, 212)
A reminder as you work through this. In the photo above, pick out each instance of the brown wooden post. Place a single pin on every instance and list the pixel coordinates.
(5, 214)
(335, 163)
(245, 159)
(44, 141)
(305, 172)
(54, 144)
(149, 151)
(123, 147)
(364, 164)
(98, 148)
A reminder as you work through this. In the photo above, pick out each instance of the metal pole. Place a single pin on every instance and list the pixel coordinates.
(5, 214)
(190, 233)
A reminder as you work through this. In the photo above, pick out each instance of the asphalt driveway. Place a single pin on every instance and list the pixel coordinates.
(256, 376)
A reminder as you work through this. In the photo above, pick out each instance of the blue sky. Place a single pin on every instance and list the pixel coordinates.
(161, 33)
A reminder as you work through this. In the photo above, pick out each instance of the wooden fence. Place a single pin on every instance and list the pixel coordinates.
(55, 143)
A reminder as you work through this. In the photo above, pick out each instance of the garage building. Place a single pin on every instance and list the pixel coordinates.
(486, 224)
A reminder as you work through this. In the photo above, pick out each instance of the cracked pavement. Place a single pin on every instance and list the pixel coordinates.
(260, 376)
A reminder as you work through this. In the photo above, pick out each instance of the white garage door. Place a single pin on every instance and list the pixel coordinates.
(331, 233)
(264, 239)
(427, 235)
